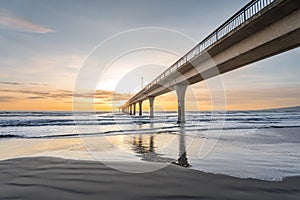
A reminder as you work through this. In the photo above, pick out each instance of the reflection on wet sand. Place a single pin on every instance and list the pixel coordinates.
(182, 160)
(145, 148)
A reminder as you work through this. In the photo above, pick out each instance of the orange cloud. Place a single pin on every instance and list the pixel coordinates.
(33, 96)
(11, 22)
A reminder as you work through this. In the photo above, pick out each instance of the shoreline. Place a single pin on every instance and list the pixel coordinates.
(147, 132)
(132, 163)
(234, 155)
(50, 178)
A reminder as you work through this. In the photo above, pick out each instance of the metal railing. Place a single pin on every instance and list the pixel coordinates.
(242, 16)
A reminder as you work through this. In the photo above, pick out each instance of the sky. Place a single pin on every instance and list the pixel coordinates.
(46, 44)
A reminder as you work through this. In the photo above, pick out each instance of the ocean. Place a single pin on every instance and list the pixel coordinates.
(248, 144)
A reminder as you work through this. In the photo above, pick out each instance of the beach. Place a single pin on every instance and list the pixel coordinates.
(251, 157)
(54, 178)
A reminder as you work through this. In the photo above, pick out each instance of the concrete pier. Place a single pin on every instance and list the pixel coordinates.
(245, 38)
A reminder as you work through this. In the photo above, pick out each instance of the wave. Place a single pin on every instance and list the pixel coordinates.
(189, 130)
(12, 136)
(143, 120)
(63, 124)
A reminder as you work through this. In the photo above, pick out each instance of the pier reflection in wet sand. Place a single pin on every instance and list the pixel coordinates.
(144, 147)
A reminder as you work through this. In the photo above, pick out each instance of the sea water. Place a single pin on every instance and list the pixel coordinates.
(247, 144)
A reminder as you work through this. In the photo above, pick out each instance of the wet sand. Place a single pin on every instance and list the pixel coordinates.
(56, 178)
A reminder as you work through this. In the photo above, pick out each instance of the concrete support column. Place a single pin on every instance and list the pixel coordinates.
(130, 109)
(141, 108)
(180, 92)
(134, 108)
(151, 102)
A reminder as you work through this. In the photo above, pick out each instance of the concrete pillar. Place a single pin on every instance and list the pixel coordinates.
(151, 102)
(134, 108)
(180, 92)
(141, 108)
(130, 109)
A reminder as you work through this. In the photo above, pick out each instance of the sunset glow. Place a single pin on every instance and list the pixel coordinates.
(41, 59)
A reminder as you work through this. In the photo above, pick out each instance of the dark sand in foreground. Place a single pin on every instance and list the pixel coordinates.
(54, 178)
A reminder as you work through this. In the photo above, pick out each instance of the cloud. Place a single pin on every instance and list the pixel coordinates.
(12, 22)
(14, 93)
(103, 96)
(6, 98)
(106, 95)
(19, 83)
